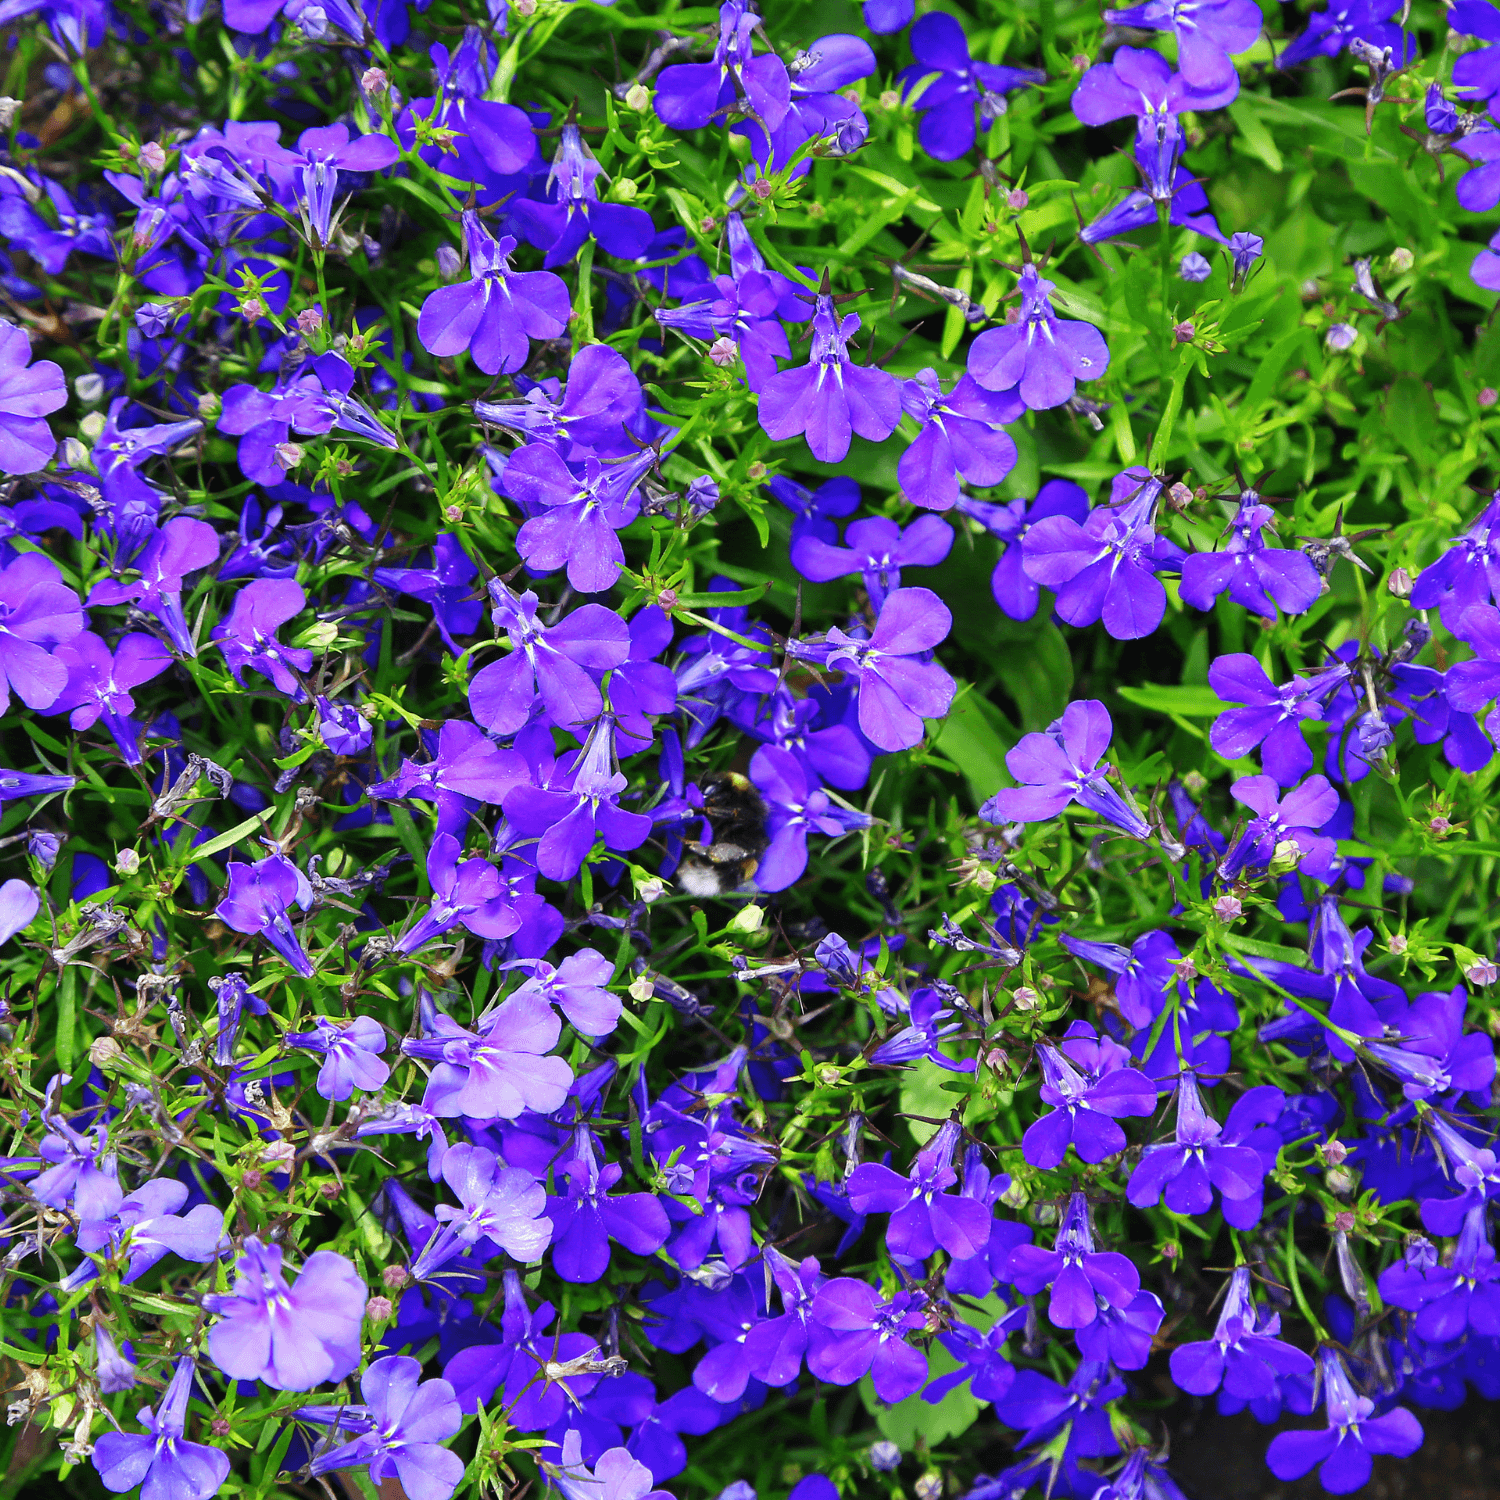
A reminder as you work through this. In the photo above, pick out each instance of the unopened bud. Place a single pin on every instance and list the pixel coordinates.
(929, 1486)
(624, 190)
(89, 388)
(219, 1427)
(309, 320)
(638, 98)
(1439, 827)
(829, 1076)
(667, 599)
(890, 99)
(1399, 583)
(1015, 1196)
(1184, 333)
(1402, 260)
(1488, 396)
(1398, 943)
(747, 919)
(762, 188)
(641, 988)
(105, 1053)
(1025, 998)
(651, 890)
(9, 109)
(1287, 857)
(707, 224)
(127, 862)
(885, 1457)
(1229, 908)
(153, 158)
(92, 425)
(252, 309)
(1170, 1251)
(1333, 1153)
(756, 472)
(1484, 972)
(1018, 198)
(253, 1179)
(373, 81)
(378, 1309)
(523, 8)
(394, 1277)
(724, 352)
(209, 406)
(289, 455)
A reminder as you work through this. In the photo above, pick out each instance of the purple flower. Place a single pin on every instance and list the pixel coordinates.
(114, 1368)
(500, 1071)
(924, 1215)
(1343, 1450)
(232, 998)
(831, 397)
(1207, 32)
(616, 1474)
(574, 516)
(19, 904)
(1472, 685)
(99, 684)
(401, 1428)
(1474, 1168)
(962, 435)
(775, 1347)
(1014, 592)
(1194, 267)
(1245, 1355)
(1085, 1104)
(291, 1337)
(495, 313)
(27, 394)
(473, 894)
(560, 664)
(1197, 1161)
(1138, 210)
(1448, 1299)
(690, 96)
(1330, 31)
(37, 612)
(895, 692)
(796, 805)
(446, 586)
(877, 549)
(1045, 1409)
(1081, 1278)
(1040, 357)
(1434, 1056)
(321, 154)
(1143, 971)
(856, 1332)
(350, 1055)
(1278, 821)
(1272, 717)
(163, 1463)
(815, 511)
(180, 547)
(467, 770)
(1061, 765)
(248, 636)
(145, 1225)
(499, 1203)
(1105, 567)
(259, 899)
(947, 87)
(1257, 576)
(586, 1217)
(1462, 575)
(1244, 250)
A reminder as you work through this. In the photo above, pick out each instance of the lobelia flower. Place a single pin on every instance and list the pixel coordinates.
(1474, 1169)
(1040, 357)
(576, 987)
(114, 1368)
(1015, 593)
(258, 900)
(499, 1072)
(1244, 251)
(962, 434)
(99, 684)
(877, 549)
(1081, 1278)
(473, 894)
(616, 1475)
(924, 1215)
(27, 394)
(586, 1216)
(1462, 575)
(1434, 1055)
(830, 397)
(1078, 1409)
(38, 612)
(1122, 1336)
(796, 805)
(248, 636)
(895, 692)
(690, 96)
(775, 1347)
(1061, 765)
(1342, 1452)
(574, 517)
(499, 1203)
(291, 1337)
(1085, 1104)
(446, 586)
(19, 904)
(1448, 1299)
(1272, 716)
(1257, 576)
(1472, 685)
(856, 1332)
(1292, 819)
(144, 1226)
(1207, 32)
(1186, 1171)
(948, 88)
(321, 154)
(467, 770)
(822, 106)
(494, 315)
(1138, 210)
(162, 1461)
(232, 998)
(401, 1429)
(815, 511)
(920, 1037)
(1142, 971)
(1330, 31)
(350, 1055)
(561, 227)
(1245, 1354)
(566, 817)
(1105, 567)
(180, 547)
(559, 664)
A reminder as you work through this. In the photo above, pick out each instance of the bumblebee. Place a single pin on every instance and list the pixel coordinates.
(736, 815)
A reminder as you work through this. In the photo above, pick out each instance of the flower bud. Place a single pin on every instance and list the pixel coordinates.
(762, 188)
(209, 406)
(89, 388)
(638, 98)
(1287, 857)
(641, 988)
(749, 918)
(1184, 333)
(105, 1053)
(43, 846)
(91, 426)
(929, 1486)
(75, 455)
(1484, 972)
(309, 320)
(378, 1309)
(1193, 267)
(1488, 396)
(885, 1457)
(289, 455)
(153, 158)
(890, 99)
(1333, 1153)
(523, 8)
(1402, 260)
(127, 862)
(1398, 943)
(1229, 908)
(1018, 198)
(1341, 336)
(1399, 583)
(724, 352)
(1343, 1220)
(394, 1277)
(9, 109)
(449, 263)
(1025, 998)
(651, 890)
(1439, 827)
(374, 82)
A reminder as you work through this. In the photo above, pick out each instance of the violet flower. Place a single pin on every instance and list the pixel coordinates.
(796, 805)
(350, 1055)
(924, 1215)
(1342, 1451)
(1207, 32)
(776, 1346)
(114, 1367)
(499, 1203)
(1187, 1171)
(247, 636)
(1062, 765)
(37, 612)
(1434, 1055)
(180, 547)
(856, 1332)
(19, 904)
(1291, 820)
(1272, 717)
(27, 394)
(162, 1462)
(1105, 567)
(1330, 31)
(1449, 1299)
(962, 435)
(1256, 575)
(1138, 210)
(948, 88)
(473, 894)
(401, 1426)
(99, 684)
(494, 315)
(1081, 1278)
(877, 549)
(321, 154)
(144, 1225)
(1085, 1104)
(577, 987)
(616, 1475)
(446, 585)
(1462, 575)
(831, 397)
(259, 899)
(291, 1337)
(232, 998)
(587, 1216)
(1015, 593)
(1040, 357)
(560, 664)
(690, 96)
(1245, 1354)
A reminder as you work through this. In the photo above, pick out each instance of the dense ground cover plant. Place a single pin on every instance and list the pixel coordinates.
(746, 752)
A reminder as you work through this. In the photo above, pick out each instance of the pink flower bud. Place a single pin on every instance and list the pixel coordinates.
(1397, 943)
(374, 81)
(1343, 1220)
(288, 455)
(724, 352)
(394, 1276)
(762, 188)
(1488, 396)
(1399, 583)
(378, 1309)
(309, 320)
(153, 158)
(1229, 908)
(1018, 198)
(1484, 972)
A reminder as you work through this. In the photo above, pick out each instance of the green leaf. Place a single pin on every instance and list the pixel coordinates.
(975, 737)
(1189, 702)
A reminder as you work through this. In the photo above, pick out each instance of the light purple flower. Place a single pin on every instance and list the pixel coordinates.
(963, 435)
(577, 987)
(350, 1059)
(856, 1332)
(1087, 1082)
(502, 1204)
(247, 636)
(1292, 819)
(1040, 357)
(1245, 1355)
(27, 394)
(1207, 32)
(180, 547)
(99, 684)
(162, 1462)
(1186, 1171)
(877, 549)
(924, 1215)
(473, 894)
(1081, 1278)
(617, 1474)
(37, 612)
(19, 904)
(260, 898)
(796, 806)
